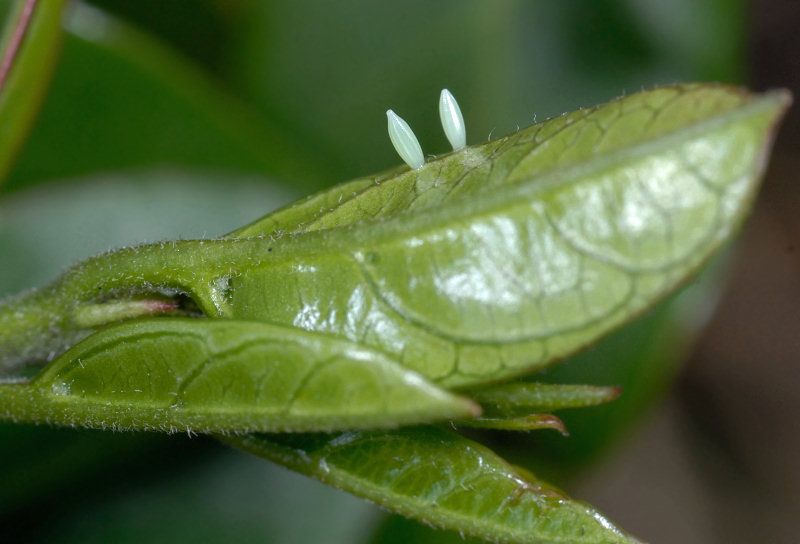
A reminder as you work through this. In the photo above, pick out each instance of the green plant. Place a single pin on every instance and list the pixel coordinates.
(401, 298)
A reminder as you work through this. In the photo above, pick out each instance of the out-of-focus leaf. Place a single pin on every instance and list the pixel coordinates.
(191, 491)
(378, 55)
(440, 478)
(122, 100)
(28, 52)
(400, 530)
(38, 461)
(462, 45)
(46, 228)
(202, 30)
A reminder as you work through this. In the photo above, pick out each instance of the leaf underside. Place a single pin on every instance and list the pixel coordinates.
(442, 478)
(504, 257)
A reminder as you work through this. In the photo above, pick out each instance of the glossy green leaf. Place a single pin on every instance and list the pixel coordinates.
(223, 375)
(503, 257)
(485, 263)
(440, 478)
(28, 52)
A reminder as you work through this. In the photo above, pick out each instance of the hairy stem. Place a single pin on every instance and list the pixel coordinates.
(37, 325)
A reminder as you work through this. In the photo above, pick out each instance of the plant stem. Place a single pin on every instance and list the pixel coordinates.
(37, 325)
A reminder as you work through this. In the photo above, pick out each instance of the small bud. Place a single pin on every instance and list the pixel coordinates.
(96, 314)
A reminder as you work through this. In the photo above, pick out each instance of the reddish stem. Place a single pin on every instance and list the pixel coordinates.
(16, 40)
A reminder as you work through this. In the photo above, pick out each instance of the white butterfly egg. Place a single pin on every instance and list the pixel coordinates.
(404, 141)
(452, 120)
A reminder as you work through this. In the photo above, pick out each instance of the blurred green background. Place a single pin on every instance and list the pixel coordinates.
(189, 118)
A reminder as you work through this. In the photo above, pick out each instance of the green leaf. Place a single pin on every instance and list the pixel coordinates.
(594, 216)
(45, 229)
(151, 108)
(440, 478)
(30, 46)
(474, 54)
(484, 51)
(520, 399)
(486, 263)
(227, 496)
(226, 375)
(521, 406)
(616, 212)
